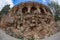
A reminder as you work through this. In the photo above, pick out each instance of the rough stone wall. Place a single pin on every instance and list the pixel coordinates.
(29, 19)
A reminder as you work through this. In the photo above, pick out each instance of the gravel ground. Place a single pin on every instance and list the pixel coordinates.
(4, 36)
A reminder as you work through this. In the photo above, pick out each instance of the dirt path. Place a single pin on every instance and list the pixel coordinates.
(4, 36)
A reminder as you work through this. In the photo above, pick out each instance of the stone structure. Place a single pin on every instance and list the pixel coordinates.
(29, 19)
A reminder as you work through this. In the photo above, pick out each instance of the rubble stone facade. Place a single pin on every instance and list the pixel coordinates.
(29, 19)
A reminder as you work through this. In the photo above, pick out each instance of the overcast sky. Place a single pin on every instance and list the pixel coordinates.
(15, 2)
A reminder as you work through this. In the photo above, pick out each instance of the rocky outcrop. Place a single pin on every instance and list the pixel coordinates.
(29, 19)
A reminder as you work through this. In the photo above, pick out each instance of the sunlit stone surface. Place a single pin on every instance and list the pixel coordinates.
(29, 19)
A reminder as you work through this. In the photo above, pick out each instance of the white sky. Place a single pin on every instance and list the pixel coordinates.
(58, 1)
(5, 2)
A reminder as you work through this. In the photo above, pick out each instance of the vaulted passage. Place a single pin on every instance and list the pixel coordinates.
(24, 9)
(33, 8)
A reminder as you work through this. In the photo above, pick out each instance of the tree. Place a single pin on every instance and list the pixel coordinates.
(55, 9)
(5, 10)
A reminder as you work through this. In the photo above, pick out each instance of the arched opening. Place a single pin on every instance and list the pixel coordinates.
(24, 10)
(33, 9)
(42, 10)
(46, 9)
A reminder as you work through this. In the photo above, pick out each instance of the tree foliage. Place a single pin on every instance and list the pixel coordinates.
(5, 10)
(55, 7)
